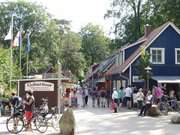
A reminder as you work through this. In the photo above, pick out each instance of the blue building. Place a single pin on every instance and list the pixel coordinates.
(163, 45)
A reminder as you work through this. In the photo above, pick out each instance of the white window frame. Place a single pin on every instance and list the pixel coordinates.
(162, 58)
(137, 79)
(176, 49)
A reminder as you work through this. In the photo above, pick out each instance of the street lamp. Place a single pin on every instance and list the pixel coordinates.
(147, 69)
(59, 97)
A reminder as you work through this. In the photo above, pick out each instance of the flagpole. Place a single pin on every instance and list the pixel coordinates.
(27, 64)
(11, 55)
(27, 51)
(20, 63)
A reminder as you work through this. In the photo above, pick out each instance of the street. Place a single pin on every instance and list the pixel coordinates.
(95, 121)
(103, 122)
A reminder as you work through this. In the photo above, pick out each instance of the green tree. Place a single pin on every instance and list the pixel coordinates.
(161, 11)
(5, 68)
(31, 17)
(143, 63)
(94, 44)
(71, 57)
(125, 10)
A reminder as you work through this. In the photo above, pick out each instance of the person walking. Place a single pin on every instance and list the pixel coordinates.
(140, 98)
(86, 96)
(147, 104)
(93, 95)
(83, 97)
(16, 103)
(103, 98)
(108, 97)
(98, 98)
(128, 95)
(157, 93)
(120, 96)
(115, 99)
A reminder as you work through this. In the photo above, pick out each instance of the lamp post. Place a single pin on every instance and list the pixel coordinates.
(147, 69)
(59, 98)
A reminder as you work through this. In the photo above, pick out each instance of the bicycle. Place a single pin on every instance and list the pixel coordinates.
(52, 119)
(17, 122)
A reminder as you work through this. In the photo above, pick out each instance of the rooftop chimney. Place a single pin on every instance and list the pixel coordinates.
(147, 29)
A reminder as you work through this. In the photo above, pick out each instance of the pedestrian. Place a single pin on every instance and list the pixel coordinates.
(108, 97)
(86, 96)
(93, 95)
(115, 99)
(98, 98)
(71, 96)
(16, 103)
(29, 104)
(103, 97)
(147, 104)
(140, 98)
(120, 96)
(158, 93)
(128, 95)
(83, 97)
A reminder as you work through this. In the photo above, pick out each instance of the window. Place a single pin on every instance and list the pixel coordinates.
(177, 55)
(157, 55)
(137, 79)
(119, 58)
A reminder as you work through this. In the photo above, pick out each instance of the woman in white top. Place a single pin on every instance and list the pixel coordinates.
(147, 105)
(140, 98)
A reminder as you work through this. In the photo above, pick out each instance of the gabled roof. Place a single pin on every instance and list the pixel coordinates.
(103, 66)
(149, 40)
(141, 40)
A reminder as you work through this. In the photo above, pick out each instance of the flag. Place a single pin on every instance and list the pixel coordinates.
(17, 40)
(28, 46)
(9, 36)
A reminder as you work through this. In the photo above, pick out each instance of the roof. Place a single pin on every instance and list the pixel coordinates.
(141, 40)
(103, 66)
(149, 40)
(43, 79)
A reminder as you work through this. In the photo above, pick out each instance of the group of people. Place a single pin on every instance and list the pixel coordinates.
(70, 98)
(122, 97)
(129, 97)
(27, 104)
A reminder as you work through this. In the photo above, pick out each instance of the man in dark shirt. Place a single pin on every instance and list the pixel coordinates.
(16, 103)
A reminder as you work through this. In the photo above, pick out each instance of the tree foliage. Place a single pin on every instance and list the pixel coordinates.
(51, 40)
(94, 44)
(131, 16)
(143, 63)
(5, 68)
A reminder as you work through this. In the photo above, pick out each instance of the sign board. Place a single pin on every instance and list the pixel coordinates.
(39, 86)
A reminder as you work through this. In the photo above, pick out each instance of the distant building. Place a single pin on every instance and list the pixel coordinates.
(163, 45)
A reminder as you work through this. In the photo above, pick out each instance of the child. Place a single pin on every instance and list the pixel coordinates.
(114, 106)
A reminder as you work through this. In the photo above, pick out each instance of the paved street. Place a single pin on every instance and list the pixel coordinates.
(102, 122)
(91, 121)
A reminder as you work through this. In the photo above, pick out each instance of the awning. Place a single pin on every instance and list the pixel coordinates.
(167, 79)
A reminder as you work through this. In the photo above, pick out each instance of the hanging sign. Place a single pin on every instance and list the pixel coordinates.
(39, 86)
